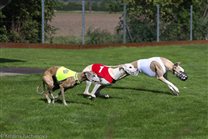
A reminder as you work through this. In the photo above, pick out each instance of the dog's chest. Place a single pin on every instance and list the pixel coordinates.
(144, 66)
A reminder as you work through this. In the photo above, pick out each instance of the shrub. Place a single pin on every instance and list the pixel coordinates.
(98, 36)
(3, 34)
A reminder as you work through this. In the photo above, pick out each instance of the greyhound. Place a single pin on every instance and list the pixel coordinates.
(106, 75)
(60, 77)
(158, 67)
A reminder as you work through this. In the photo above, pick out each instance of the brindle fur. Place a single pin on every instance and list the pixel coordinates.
(52, 84)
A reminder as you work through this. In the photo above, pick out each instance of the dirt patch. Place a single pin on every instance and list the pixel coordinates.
(9, 74)
(70, 23)
(19, 71)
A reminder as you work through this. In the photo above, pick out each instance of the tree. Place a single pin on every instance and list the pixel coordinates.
(90, 6)
(174, 17)
(22, 20)
(200, 17)
(4, 3)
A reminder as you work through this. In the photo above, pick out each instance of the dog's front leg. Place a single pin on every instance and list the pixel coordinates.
(88, 84)
(171, 86)
(63, 96)
(92, 94)
(53, 98)
(47, 97)
(57, 96)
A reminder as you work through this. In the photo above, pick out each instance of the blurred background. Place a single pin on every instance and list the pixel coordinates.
(102, 21)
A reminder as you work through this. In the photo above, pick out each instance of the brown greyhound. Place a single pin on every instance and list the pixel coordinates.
(60, 77)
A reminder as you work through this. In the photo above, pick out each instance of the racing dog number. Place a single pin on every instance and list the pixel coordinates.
(101, 68)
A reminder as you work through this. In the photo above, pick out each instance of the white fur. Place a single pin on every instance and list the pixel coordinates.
(143, 66)
(116, 74)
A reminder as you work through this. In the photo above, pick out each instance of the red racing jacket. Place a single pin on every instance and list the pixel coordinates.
(102, 71)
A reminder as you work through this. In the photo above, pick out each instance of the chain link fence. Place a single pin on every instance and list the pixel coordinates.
(83, 26)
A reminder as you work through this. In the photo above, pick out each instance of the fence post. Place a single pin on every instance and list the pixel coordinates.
(83, 22)
(191, 22)
(124, 23)
(43, 21)
(158, 23)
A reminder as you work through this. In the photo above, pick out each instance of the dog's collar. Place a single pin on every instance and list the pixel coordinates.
(76, 78)
(139, 70)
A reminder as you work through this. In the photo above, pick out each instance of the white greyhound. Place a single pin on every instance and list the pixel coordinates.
(106, 75)
(158, 67)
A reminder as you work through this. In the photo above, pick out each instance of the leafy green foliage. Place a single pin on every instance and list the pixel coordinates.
(22, 19)
(98, 36)
(3, 34)
(174, 19)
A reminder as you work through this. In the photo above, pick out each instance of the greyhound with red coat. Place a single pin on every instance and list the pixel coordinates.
(106, 75)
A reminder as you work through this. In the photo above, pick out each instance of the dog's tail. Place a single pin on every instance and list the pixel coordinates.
(41, 89)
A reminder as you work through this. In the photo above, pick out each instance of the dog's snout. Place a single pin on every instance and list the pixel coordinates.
(183, 76)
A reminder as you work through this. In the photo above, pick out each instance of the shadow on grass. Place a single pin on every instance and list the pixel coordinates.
(5, 60)
(59, 101)
(101, 96)
(142, 89)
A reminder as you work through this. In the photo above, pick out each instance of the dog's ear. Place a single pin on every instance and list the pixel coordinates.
(88, 75)
(120, 67)
(177, 63)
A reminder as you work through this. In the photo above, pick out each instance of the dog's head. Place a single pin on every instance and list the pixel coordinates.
(130, 69)
(179, 72)
(90, 76)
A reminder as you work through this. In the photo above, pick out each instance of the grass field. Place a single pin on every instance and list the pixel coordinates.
(139, 107)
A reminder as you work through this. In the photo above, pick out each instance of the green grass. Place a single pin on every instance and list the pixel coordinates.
(140, 107)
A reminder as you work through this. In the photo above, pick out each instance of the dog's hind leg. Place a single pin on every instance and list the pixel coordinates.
(88, 84)
(48, 80)
(96, 87)
(46, 92)
(63, 97)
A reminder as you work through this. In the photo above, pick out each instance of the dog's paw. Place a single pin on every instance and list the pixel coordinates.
(65, 104)
(49, 101)
(92, 97)
(106, 96)
(175, 93)
(86, 94)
